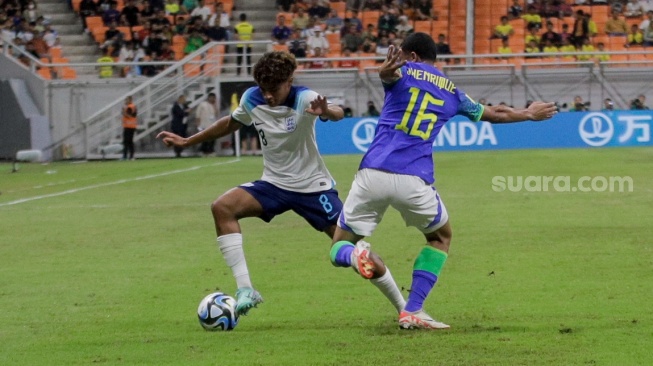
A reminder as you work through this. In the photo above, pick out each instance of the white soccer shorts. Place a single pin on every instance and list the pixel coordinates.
(373, 191)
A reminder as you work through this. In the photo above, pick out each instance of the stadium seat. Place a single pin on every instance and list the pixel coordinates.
(45, 73)
(67, 73)
(55, 52)
(422, 26)
(333, 38)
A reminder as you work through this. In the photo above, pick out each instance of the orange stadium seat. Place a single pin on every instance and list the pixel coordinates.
(340, 7)
(67, 73)
(45, 73)
(55, 52)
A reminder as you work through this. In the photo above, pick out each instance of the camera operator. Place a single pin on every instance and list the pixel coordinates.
(638, 103)
(579, 105)
(608, 105)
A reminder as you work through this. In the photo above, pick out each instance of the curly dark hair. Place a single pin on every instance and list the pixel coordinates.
(274, 68)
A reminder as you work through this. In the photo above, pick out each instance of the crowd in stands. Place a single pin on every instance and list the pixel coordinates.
(22, 23)
(320, 28)
(554, 26)
(153, 30)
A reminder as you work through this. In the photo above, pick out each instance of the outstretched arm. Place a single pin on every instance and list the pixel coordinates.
(222, 127)
(319, 107)
(537, 111)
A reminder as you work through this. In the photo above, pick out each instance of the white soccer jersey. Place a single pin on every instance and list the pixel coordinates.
(291, 160)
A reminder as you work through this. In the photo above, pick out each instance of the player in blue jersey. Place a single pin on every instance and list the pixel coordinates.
(294, 175)
(397, 169)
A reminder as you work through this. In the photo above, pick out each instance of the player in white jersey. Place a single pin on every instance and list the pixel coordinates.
(294, 176)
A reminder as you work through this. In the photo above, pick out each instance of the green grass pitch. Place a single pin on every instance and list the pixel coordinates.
(105, 263)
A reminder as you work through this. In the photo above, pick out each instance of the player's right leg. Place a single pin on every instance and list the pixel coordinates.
(232, 206)
(421, 206)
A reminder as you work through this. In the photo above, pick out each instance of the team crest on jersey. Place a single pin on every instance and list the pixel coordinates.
(291, 124)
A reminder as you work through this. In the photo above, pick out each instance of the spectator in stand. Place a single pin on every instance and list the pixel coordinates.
(586, 47)
(297, 44)
(299, 4)
(220, 18)
(318, 9)
(130, 14)
(515, 10)
(372, 5)
(633, 9)
(580, 31)
(205, 114)
(592, 29)
(113, 39)
(368, 46)
(424, 10)
(382, 48)
(639, 103)
(244, 30)
(551, 35)
(50, 35)
(284, 5)
(334, 22)
(317, 41)
(87, 8)
(31, 12)
(106, 71)
(194, 41)
(646, 22)
(159, 20)
(404, 25)
(281, 33)
(147, 12)
(309, 31)
(549, 47)
(370, 33)
(648, 36)
(532, 47)
(355, 20)
(203, 11)
(187, 6)
(166, 54)
(112, 15)
(566, 46)
(442, 47)
(318, 64)
(503, 30)
(172, 7)
(615, 26)
(635, 37)
(131, 52)
(565, 35)
(388, 19)
(504, 48)
(532, 18)
(301, 19)
(533, 36)
(348, 62)
(353, 40)
(602, 56)
(143, 33)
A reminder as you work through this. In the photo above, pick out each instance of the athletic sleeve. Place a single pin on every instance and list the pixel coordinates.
(242, 113)
(304, 100)
(468, 107)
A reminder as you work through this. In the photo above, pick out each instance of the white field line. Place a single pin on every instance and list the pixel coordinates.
(121, 181)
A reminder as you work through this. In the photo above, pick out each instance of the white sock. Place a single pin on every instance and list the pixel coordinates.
(231, 246)
(389, 288)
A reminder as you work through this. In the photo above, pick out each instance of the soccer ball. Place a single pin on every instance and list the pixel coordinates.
(217, 311)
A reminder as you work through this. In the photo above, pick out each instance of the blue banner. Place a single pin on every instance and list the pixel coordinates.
(565, 130)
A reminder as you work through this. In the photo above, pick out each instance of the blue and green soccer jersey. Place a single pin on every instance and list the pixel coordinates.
(415, 109)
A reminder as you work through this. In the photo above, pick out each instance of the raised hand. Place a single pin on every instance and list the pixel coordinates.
(388, 70)
(318, 106)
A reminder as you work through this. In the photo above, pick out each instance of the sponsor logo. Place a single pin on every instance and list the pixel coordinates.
(291, 123)
(363, 133)
(596, 129)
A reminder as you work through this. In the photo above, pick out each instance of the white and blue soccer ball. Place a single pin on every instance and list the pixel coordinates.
(217, 311)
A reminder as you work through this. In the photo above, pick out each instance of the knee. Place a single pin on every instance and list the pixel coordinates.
(221, 210)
